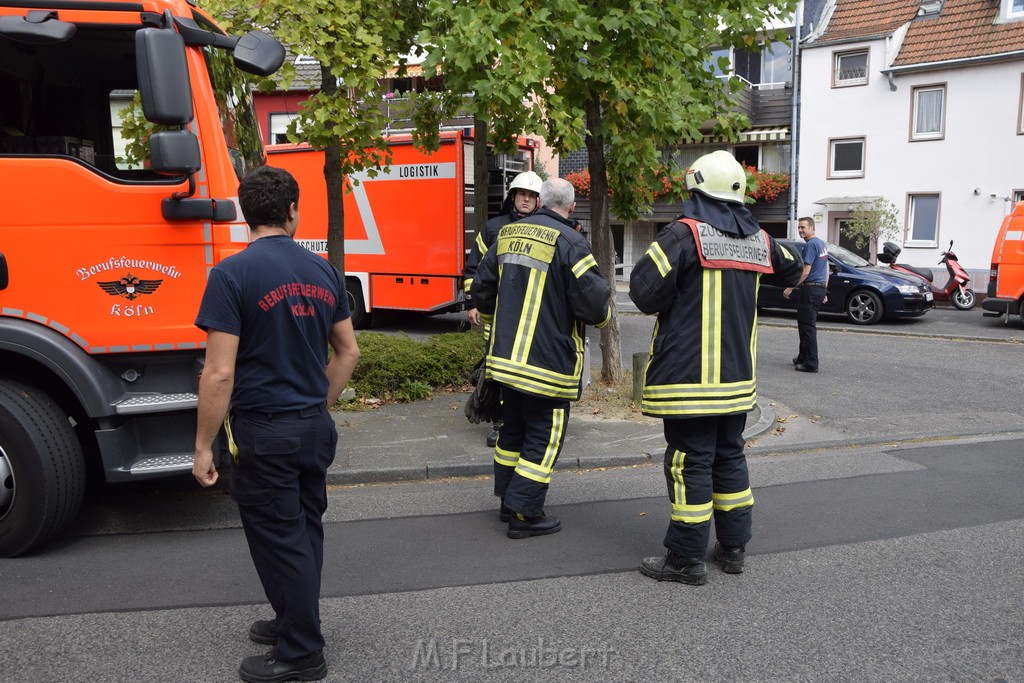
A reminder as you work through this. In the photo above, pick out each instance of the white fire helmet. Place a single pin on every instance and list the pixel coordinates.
(527, 180)
(718, 175)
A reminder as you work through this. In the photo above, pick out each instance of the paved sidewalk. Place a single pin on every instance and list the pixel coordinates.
(433, 439)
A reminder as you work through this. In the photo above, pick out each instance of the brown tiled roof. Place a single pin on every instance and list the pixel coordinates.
(867, 18)
(964, 28)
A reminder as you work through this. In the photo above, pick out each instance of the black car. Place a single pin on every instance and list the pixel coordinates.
(865, 293)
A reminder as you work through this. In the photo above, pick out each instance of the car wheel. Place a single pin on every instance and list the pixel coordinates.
(42, 470)
(963, 299)
(864, 307)
(361, 318)
(1020, 312)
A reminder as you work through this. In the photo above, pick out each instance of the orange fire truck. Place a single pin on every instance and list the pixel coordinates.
(407, 230)
(125, 126)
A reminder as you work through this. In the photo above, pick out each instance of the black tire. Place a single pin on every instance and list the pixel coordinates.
(864, 307)
(361, 318)
(963, 301)
(41, 467)
(1020, 311)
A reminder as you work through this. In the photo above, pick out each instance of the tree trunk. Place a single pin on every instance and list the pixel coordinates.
(481, 188)
(601, 231)
(335, 189)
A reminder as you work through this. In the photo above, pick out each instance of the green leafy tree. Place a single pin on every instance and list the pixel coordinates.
(356, 42)
(626, 78)
(871, 223)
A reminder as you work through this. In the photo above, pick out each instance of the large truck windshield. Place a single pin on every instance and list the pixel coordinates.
(78, 98)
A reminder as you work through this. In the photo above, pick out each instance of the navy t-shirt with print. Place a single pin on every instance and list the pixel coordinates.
(816, 256)
(281, 301)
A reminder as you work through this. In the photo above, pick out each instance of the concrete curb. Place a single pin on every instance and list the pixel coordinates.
(392, 475)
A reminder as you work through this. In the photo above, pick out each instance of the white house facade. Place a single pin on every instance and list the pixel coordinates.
(895, 103)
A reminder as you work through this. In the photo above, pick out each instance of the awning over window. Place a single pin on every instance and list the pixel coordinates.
(847, 201)
(776, 134)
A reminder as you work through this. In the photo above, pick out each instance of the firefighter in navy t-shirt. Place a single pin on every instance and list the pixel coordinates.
(270, 313)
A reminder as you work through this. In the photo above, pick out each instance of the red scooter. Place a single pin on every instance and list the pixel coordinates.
(955, 291)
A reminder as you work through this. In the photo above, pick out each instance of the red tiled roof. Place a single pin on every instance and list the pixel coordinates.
(964, 28)
(867, 18)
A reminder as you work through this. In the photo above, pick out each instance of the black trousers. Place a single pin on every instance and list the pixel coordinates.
(706, 473)
(808, 304)
(280, 486)
(529, 442)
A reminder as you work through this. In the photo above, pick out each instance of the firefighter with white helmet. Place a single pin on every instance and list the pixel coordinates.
(700, 276)
(523, 199)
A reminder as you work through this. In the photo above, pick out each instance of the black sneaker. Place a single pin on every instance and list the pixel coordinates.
(504, 513)
(797, 360)
(730, 558)
(520, 526)
(675, 567)
(263, 632)
(267, 669)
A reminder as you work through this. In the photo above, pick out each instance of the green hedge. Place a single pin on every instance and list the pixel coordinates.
(400, 368)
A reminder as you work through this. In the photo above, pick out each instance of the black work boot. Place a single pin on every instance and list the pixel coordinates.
(492, 436)
(504, 513)
(730, 557)
(676, 567)
(267, 669)
(521, 526)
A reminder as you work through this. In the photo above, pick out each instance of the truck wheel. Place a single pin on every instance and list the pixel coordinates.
(1020, 312)
(361, 318)
(864, 307)
(42, 471)
(963, 300)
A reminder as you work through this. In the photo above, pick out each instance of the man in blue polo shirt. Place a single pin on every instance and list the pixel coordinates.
(813, 288)
(270, 312)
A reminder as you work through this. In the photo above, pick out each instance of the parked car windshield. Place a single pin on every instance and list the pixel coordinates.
(846, 257)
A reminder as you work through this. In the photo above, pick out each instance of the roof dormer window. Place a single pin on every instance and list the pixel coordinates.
(929, 8)
(1011, 10)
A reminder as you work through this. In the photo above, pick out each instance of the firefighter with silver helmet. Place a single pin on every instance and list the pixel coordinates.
(700, 276)
(523, 199)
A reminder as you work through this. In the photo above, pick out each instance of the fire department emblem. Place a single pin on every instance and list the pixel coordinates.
(130, 287)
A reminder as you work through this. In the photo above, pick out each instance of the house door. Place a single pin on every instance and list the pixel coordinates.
(846, 241)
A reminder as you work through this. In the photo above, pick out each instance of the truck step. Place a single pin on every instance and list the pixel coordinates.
(178, 462)
(136, 404)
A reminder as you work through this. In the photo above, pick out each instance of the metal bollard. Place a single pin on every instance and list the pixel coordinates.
(639, 362)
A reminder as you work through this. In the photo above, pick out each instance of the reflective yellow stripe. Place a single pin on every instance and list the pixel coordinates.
(697, 390)
(711, 327)
(533, 471)
(529, 316)
(660, 259)
(505, 458)
(481, 246)
(676, 470)
(730, 501)
(541, 473)
(691, 407)
(583, 265)
(691, 514)
(467, 284)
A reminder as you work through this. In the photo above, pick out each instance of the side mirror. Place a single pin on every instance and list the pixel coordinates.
(174, 152)
(164, 85)
(833, 267)
(258, 53)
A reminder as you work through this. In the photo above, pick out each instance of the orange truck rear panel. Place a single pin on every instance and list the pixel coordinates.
(404, 227)
(1005, 294)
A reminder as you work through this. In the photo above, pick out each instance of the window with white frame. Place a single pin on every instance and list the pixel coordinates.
(279, 127)
(928, 117)
(1010, 10)
(923, 220)
(846, 158)
(1020, 108)
(851, 68)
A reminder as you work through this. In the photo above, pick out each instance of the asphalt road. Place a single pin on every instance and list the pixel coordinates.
(887, 550)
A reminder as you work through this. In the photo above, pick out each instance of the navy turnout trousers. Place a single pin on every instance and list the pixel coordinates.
(529, 442)
(706, 473)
